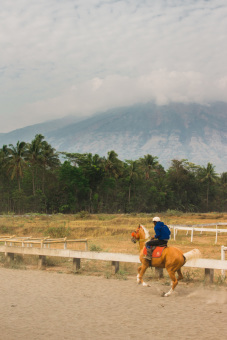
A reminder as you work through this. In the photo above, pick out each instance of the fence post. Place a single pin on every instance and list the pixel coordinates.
(209, 273)
(216, 239)
(192, 234)
(41, 261)
(116, 264)
(9, 257)
(76, 264)
(223, 259)
(65, 244)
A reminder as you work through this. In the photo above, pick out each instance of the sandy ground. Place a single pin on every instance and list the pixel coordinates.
(42, 305)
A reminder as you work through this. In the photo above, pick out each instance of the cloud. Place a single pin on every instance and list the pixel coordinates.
(97, 94)
(74, 56)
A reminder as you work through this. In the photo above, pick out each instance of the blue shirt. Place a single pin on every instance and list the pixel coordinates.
(162, 232)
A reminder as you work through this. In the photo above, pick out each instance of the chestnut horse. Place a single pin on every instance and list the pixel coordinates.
(172, 259)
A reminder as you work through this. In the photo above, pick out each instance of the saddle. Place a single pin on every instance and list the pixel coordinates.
(157, 252)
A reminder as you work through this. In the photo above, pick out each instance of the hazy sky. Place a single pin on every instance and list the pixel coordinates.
(61, 57)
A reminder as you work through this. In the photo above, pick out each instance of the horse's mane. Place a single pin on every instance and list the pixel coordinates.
(147, 234)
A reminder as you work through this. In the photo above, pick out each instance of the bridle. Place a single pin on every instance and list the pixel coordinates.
(135, 236)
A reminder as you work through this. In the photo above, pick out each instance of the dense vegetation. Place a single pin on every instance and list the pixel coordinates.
(35, 178)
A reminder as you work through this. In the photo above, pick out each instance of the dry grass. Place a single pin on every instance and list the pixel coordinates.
(112, 233)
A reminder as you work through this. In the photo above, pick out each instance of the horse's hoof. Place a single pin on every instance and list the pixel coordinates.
(165, 294)
(168, 293)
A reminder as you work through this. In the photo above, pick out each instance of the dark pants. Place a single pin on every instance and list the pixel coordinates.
(156, 242)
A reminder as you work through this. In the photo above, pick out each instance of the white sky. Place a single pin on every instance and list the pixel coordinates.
(61, 57)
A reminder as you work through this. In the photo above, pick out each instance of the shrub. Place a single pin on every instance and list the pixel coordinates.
(6, 229)
(84, 214)
(93, 247)
(58, 232)
(171, 212)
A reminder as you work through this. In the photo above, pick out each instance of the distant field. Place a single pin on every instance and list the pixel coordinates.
(112, 233)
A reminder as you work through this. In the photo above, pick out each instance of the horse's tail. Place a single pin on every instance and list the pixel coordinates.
(192, 254)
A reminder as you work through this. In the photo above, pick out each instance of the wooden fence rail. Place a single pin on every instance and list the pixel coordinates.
(208, 264)
(41, 242)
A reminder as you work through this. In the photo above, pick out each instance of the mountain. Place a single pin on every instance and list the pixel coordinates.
(175, 131)
(27, 133)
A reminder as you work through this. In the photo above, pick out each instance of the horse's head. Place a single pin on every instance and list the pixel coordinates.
(141, 233)
(135, 235)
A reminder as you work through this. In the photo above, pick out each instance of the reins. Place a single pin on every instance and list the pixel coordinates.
(140, 240)
(143, 239)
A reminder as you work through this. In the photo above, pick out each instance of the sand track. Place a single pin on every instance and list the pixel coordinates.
(42, 305)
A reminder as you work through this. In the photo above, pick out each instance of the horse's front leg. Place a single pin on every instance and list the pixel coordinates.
(141, 271)
(138, 275)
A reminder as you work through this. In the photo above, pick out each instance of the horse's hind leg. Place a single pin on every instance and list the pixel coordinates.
(174, 281)
(180, 275)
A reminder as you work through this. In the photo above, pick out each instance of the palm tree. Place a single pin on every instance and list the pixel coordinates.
(132, 171)
(113, 165)
(4, 151)
(48, 160)
(223, 182)
(93, 169)
(178, 178)
(224, 179)
(4, 177)
(209, 176)
(34, 156)
(4, 154)
(149, 163)
(16, 161)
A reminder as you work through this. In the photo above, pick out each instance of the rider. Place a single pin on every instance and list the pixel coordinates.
(162, 235)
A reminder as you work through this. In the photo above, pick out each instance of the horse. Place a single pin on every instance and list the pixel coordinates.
(171, 258)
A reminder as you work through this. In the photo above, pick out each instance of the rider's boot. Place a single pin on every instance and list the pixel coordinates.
(149, 253)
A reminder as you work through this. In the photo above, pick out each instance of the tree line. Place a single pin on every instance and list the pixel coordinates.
(35, 178)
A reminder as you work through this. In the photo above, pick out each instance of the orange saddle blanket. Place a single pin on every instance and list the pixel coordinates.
(156, 253)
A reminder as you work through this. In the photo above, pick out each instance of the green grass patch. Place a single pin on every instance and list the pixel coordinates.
(6, 229)
(94, 247)
(58, 232)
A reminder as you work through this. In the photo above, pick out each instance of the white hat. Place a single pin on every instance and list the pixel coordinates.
(156, 219)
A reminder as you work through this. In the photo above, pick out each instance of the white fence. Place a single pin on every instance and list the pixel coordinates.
(199, 227)
(208, 264)
(223, 249)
